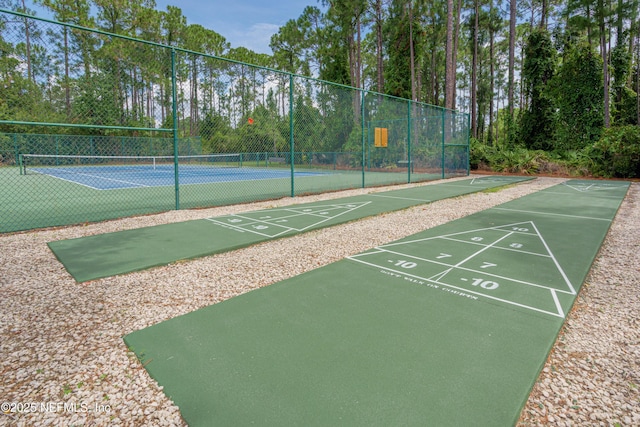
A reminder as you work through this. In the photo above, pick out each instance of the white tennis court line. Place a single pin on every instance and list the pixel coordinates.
(169, 172)
(90, 176)
(66, 180)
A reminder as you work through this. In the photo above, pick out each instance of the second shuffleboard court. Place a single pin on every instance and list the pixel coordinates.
(108, 254)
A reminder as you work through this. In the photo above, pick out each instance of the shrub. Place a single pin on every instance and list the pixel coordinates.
(617, 153)
(478, 154)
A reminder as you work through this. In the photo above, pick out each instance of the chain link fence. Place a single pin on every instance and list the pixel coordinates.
(96, 126)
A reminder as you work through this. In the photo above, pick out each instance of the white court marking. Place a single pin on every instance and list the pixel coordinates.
(591, 186)
(463, 261)
(483, 179)
(273, 223)
(93, 177)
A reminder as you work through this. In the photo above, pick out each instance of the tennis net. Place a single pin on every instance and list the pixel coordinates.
(45, 163)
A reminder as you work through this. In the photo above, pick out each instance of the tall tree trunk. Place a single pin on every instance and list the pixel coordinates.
(379, 57)
(163, 109)
(67, 79)
(474, 66)
(632, 46)
(638, 76)
(28, 44)
(589, 38)
(133, 75)
(449, 83)
(605, 60)
(456, 37)
(356, 48)
(491, 72)
(433, 78)
(412, 57)
(512, 55)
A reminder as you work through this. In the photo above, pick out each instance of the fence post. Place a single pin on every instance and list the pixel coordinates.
(409, 102)
(468, 144)
(174, 106)
(362, 98)
(444, 112)
(291, 136)
(15, 147)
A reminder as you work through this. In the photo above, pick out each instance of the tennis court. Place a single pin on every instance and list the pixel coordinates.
(104, 255)
(122, 172)
(53, 190)
(447, 327)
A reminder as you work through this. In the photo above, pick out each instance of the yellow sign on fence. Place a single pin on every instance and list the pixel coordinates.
(381, 138)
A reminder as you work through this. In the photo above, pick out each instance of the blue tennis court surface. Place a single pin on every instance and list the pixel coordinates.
(115, 177)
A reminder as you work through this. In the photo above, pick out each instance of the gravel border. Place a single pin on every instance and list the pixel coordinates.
(64, 362)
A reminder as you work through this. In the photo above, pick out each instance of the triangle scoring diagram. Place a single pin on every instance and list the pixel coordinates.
(277, 222)
(510, 264)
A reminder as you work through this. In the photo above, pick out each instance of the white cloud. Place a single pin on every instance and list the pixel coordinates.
(256, 38)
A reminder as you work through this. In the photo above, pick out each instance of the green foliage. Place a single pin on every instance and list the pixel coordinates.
(617, 153)
(621, 66)
(620, 58)
(576, 162)
(479, 154)
(626, 107)
(517, 160)
(506, 159)
(397, 73)
(537, 121)
(579, 98)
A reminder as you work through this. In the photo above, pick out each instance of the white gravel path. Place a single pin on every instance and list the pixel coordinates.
(63, 360)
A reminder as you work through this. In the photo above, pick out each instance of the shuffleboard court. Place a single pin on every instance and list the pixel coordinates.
(104, 255)
(447, 327)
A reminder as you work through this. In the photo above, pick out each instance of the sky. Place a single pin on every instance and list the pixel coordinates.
(243, 23)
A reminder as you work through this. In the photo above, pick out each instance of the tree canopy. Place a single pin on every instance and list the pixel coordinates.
(549, 75)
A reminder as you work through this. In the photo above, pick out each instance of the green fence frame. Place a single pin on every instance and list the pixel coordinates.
(425, 130)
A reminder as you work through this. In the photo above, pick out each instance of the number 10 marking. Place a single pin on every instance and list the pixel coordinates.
(485, 284)
(405, 264)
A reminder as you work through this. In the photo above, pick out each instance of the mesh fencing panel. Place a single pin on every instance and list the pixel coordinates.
(86, 99)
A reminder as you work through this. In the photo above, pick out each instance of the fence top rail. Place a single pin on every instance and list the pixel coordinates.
(83, 126)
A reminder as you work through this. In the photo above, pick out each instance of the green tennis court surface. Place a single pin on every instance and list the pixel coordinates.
(447, 327)
(104, 255)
